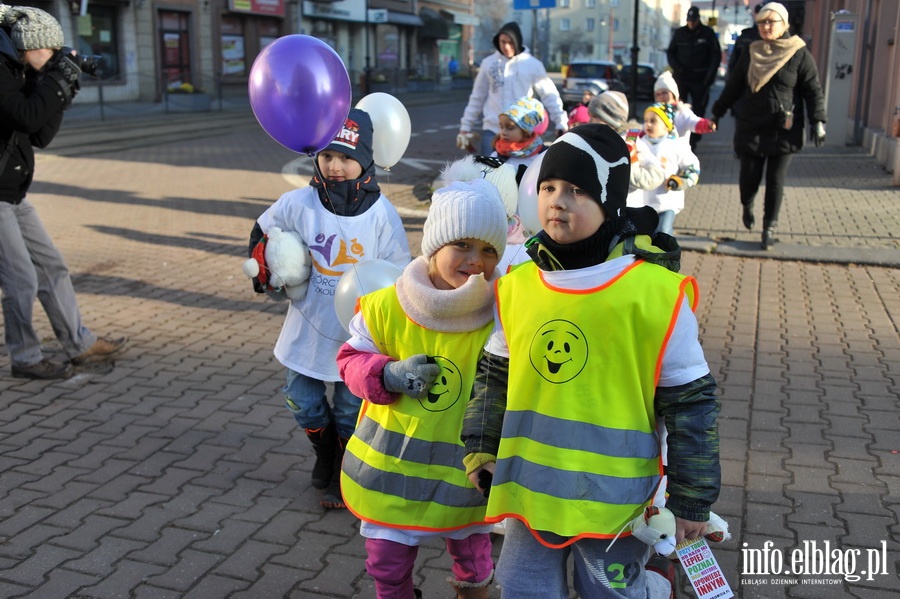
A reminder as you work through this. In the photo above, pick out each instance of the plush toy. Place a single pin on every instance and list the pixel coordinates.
(656, 526)
(281, 262)
(716, 529)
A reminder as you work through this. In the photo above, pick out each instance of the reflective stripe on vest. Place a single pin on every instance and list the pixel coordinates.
(403, 465)
(579, 454)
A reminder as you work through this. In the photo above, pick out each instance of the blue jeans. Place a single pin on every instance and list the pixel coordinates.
(529, 570)
(32, 268)
(305, 398)
(666, 222)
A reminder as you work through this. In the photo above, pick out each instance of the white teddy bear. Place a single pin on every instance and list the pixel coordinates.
(283, 263)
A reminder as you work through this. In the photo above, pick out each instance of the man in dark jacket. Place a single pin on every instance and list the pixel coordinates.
(694, 55)
(37, 82)
(747, 36)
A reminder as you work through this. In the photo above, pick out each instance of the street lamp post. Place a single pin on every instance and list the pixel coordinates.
(368, 68)
(634, 58)
(610, 30)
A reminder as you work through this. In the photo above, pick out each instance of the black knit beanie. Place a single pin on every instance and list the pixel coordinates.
(595, 158)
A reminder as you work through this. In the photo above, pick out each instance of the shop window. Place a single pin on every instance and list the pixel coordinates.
(98, 35)
(387, 46)
(175, 44)
(234, 55)
(268, 32)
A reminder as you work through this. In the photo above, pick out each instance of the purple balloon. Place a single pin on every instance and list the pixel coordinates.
(300, 92)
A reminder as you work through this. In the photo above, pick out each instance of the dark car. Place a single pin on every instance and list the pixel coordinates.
(580, 74)
(646, 80)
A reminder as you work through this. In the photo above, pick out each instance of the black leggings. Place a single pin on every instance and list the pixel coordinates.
(751, 176)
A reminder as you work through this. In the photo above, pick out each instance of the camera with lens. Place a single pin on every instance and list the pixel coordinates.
(89, 64)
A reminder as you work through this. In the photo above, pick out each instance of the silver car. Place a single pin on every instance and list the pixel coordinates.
(580, 74)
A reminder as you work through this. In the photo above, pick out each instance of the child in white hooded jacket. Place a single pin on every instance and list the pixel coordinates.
(681, 165)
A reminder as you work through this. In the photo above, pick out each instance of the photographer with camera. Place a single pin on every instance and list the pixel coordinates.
(38, 80)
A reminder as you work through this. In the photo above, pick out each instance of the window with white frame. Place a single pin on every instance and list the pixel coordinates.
(590, 3)
(564, 3)
(589, 24)
(564, 25)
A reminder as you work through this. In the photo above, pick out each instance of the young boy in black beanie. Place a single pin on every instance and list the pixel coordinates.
(594, 355)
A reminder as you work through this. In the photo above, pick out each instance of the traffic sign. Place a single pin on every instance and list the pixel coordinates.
(533, 4)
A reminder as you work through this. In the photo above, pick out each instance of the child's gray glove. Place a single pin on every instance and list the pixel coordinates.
(412, 376)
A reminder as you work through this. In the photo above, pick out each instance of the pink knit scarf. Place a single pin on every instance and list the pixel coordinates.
(466, 308)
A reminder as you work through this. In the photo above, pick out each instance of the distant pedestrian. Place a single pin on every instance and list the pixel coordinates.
(681, 165)
(611, 108)
(453, 66)
(694, 54)
(504, 76)
(686, 121)
(773, 83)
(747, 36)
(37, 83)
(518, 143)
(579, 115)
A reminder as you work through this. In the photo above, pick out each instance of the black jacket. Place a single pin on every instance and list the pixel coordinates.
(758, 116)
(747, 37)
(694, 54)
(32, 108)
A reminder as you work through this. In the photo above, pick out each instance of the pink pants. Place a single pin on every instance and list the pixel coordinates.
(391, 564)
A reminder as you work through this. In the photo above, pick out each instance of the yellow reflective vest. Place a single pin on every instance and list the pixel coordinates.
(579, 454)
(403, 466)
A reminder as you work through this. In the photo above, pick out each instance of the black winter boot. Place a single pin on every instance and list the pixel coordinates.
(747, 215)
(325, 443)
(333, 499)
(768, 234)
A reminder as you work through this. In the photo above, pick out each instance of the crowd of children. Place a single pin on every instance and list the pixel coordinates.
(496, 380)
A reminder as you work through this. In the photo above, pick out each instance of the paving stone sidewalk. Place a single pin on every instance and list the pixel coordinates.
(179, 473)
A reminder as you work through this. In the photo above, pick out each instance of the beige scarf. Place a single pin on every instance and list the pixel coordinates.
(466, 308)
(767, 57)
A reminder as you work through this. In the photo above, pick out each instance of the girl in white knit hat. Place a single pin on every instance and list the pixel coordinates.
(665, 90)
(412, 357)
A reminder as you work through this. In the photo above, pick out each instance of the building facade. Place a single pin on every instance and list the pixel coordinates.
(151, 48)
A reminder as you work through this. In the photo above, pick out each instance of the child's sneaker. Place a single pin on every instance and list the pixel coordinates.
(665, 568)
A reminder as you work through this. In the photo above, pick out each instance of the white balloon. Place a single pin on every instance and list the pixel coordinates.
(528, 200)
(360, 279)
(391, 125)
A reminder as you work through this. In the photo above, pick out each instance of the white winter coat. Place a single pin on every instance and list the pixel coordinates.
(501, 81)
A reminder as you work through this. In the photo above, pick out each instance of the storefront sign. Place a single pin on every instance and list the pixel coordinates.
(344, 10)
(258, 7)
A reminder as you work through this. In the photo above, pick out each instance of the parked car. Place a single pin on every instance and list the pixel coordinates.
(646, 79)
(580, 74)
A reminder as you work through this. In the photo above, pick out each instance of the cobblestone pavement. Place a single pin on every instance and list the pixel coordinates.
(179, 473)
